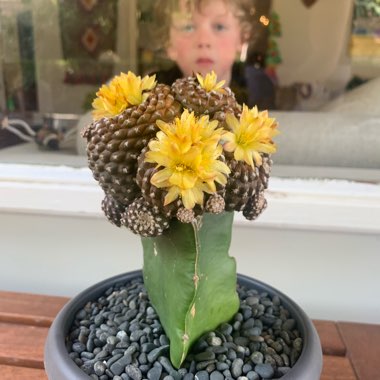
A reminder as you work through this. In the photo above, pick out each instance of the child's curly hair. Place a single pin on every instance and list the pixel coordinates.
(164, 9)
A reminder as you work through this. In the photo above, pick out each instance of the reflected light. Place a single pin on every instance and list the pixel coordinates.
(264, 20)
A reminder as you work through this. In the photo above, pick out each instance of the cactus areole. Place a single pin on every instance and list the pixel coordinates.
(175, 163)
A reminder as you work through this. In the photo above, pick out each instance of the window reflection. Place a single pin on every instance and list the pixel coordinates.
(54, 55)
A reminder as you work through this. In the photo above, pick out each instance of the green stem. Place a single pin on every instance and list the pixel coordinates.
(191, 279)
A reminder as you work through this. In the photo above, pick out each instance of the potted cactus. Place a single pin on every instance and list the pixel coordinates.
(175, 163)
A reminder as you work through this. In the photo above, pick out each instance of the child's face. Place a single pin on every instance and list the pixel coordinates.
(206, 40)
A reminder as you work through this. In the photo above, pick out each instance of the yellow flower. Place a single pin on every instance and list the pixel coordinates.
(250, 136)
(209, 82)
(187, 152)
(123, 91)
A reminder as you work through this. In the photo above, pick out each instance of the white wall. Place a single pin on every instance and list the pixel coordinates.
(314, 42)
(318, 241)
(332, 275)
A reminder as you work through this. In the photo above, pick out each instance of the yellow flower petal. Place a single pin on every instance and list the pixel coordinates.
(187, 153)
(172, 195)
(209, 82)
(161, 178)
(184, 180)
(250, 135)
(188, 199)
(123, 91)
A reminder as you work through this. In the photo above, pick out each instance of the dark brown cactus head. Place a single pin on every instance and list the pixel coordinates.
(204, 101)
(161, 152)
(143, 220)
(255, 206)
(114, 143)
(113, 210)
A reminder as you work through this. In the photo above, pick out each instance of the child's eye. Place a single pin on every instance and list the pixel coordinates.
(220, 27)
(187, 28)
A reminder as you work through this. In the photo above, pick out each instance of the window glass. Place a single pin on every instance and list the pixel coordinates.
(300, 56)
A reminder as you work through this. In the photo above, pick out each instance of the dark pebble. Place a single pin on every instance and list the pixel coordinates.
(225, 328)
(165, 362)
(231, 354)
(254, 331)
(205, 365)
(217, 349)
(236, 325)
(87, 355)
(216, 375)
(289, 324)
(154, 373)
(230, 345)
(268, 359)
(247, 368)
(118, 367)
(257, 357)
(88, 367)
(222, 366)
(281, 371)
(101, 355)
(90, 343)
(182, 372)
(247, 313)
(214, 341)
(131, 349)
(237, 367)
(136, 335)
(285, 359)
(82, 314)
(268, 319)
(206, 355)
(265, 370)
(147, 347)
(254, 300)
(143, 358)
(251, 375)
(78, 347)
(121, 330)
(192, 366)
(156, 353)
(99, 368)
(113, 359)
(164, 341)
(144, 368)
(133, 372)
(202, 375)
(241, 341)
(297, 344)
(248, 324)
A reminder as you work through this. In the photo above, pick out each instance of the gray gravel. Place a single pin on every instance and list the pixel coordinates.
(120, 337)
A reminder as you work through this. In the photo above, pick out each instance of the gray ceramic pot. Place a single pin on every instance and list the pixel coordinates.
(59, 366)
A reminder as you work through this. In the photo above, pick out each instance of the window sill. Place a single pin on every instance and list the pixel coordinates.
(302, 204)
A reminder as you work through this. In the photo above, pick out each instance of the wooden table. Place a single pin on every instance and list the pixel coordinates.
(351, 350)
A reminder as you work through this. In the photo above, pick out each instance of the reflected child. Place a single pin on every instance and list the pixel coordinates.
(205, 35)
